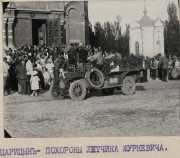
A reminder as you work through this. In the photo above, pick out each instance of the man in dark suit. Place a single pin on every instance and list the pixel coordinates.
(164, 62)
(20, 70)
(82, 54)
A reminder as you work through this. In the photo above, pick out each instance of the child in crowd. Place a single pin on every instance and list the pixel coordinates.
(43, 62)
(50, 68)
(34, 83)
(46, 79)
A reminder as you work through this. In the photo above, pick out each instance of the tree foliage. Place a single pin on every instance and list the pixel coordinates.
(109, 37)
(172, 39)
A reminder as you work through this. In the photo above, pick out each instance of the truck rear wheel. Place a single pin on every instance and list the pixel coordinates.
(128, 87)
(77, 90)
(55, 92)
(108, 91)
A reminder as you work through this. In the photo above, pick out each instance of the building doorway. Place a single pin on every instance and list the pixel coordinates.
(38, 32)
(158, 45)
(137, 48)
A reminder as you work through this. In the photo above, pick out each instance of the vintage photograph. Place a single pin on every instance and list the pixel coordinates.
(91, 68)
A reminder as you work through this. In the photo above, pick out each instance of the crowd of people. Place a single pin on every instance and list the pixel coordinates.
(28, 69)
(160, 67)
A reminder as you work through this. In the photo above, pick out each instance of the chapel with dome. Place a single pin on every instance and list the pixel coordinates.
(146, 36)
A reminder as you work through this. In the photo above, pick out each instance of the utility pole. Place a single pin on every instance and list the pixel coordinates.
(179, 105)
(179, 16)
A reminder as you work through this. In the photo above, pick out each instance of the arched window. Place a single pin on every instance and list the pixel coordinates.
(74, 28)
(73, 15)
(137, 48)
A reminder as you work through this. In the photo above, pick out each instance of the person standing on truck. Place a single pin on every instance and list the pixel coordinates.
(72, 56)
(82, 54)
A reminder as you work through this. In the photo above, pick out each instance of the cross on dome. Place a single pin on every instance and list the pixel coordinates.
(145, 11)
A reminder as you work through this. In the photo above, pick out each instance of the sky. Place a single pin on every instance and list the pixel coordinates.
(129, 10)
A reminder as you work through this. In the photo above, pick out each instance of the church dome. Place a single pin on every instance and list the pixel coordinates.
(145, 21)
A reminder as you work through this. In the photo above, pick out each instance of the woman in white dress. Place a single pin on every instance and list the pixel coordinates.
(34, 83)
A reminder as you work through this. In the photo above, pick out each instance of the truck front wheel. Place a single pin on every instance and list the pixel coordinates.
(77, 90)
(56, 92)
(128, 86)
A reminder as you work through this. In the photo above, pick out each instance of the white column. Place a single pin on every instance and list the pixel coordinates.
(4, 33)
(67, 30)
(10, 33)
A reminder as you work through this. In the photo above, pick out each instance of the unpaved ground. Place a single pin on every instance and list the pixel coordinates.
(152, 111)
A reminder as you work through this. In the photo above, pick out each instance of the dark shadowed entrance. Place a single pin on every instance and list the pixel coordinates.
(38, 32)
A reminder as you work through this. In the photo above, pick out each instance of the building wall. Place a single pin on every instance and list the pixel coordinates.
(86, 22)
(135, 36)
(76, 22)
(148, 44)
(72, 15)
(150, 39)
(159, 40)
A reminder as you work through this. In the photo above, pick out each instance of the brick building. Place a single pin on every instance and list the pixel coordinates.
(37, 23)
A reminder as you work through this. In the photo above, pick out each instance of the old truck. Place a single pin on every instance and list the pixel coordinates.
(76, 85)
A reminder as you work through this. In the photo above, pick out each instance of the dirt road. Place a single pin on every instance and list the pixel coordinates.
(152, 111)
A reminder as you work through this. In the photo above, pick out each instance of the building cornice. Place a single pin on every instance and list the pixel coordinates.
(38, 11)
